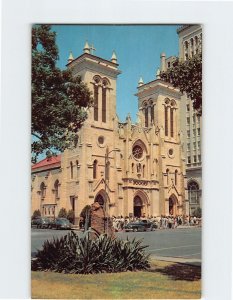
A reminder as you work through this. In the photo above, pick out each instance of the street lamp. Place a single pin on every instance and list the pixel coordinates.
(106, 177)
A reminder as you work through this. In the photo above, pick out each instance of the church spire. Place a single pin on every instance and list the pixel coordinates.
(114, 57)
(71, 58)
(163, 62)
(140, 82)
(86, 48)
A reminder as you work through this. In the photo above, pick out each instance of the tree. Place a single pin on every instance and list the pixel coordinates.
(36, 214)
(62, 213)
(85, 215)
(197, 212)
(187, 76)
(71, 216)
(59, 100)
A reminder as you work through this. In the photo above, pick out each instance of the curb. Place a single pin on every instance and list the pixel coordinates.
(181, 260)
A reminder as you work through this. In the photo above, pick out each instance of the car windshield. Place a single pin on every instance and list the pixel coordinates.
(63, 221)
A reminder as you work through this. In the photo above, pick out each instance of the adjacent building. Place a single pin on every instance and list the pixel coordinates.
(190, 43)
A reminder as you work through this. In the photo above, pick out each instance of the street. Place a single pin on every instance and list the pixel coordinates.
(183, 243)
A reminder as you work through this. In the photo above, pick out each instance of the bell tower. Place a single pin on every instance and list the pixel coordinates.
(158, 104)
(100, 75)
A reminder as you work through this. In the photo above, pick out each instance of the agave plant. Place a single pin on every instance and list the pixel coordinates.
(85, 255)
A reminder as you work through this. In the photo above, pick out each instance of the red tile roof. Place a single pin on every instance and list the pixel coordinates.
(54, 161)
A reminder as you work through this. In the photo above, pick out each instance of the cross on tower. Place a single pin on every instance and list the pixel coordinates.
(92, 49)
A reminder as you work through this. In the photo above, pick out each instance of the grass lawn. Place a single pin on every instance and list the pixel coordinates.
(165, 280)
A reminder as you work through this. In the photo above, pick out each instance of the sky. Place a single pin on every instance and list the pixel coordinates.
(138, 49)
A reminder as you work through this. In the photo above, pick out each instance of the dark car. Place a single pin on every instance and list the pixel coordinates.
(150, 225)
(140, 226)
(40, 222)
(61, 223)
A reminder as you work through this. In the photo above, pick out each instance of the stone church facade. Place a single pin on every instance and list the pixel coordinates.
(131, 169)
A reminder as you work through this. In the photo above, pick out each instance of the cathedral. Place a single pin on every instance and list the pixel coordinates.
(131, 169)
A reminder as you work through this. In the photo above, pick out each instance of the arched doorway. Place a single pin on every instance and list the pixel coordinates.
(172, 205)
(100, 199)
(103, 199)
(137, 207)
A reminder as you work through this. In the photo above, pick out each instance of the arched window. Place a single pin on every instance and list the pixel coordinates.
(95, 169)
(186, 45)
(56, 189)
(166, 121)
(176, 176)
(96, 94)
(143, 171)
(152, 114)
(104, 101)
(146, 116)
(193, 192)
(71, 170)
(139, 168)
(42, 190)
(132, 167)
(172, 122)
(104, 104)
(191, 42)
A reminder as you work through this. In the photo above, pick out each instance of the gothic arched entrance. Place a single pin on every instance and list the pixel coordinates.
(137, 206)
(172, 205)
(100, 199)
(103, 199)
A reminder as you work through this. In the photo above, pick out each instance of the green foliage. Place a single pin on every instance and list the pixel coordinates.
(70, 216)
(85, 211)
(72, 254)
(187, 76)
(86, 216)
(59, 101)
(36, 214)
(197, 212)
(62, 213)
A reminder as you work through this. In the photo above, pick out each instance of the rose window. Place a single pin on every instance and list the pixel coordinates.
(137, 152)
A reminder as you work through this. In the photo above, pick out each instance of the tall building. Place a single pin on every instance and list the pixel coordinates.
(131, 169)
(190, 43)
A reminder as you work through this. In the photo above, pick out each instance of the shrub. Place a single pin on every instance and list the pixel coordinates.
(36, 214)
(197, 212)
(62, 213)
(72, 254)
(70, 216)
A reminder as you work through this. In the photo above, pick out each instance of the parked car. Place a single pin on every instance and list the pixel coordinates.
(143, 225)
(40, 222)
(150, 225)
(61, 223)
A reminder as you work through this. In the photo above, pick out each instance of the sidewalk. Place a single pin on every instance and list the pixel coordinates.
(181, 260)
(187, 226)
